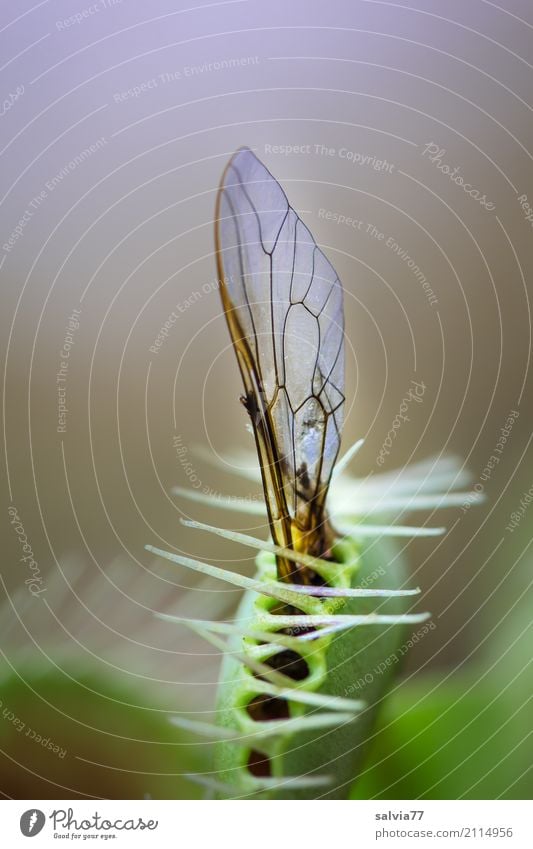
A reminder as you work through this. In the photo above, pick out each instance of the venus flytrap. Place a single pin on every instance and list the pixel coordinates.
(328, 602)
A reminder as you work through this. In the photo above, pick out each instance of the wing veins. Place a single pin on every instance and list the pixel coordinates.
(297, 446)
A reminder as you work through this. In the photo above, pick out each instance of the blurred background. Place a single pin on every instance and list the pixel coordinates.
(402, 135)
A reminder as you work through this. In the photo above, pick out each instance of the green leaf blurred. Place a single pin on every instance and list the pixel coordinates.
(466, 734)
(450, 741)
(111, 743)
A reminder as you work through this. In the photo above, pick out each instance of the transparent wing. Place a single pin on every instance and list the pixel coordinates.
(284, 306)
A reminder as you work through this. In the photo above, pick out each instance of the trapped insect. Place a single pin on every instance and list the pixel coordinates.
(328, 602)
(284, 307)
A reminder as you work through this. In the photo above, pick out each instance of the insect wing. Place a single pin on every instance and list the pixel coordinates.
(284, 306)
